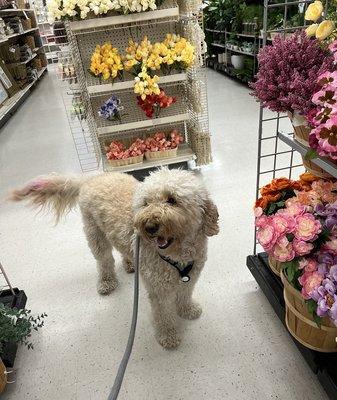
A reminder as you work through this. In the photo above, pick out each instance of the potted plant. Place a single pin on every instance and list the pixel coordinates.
(287, 77)
(16, 327)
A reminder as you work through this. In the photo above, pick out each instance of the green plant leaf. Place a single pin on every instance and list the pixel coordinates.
(310, 155)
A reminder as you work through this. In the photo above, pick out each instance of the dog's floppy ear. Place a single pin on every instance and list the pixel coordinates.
(211, 217)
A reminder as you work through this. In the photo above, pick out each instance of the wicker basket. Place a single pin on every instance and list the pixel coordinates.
(315, 169)
(157, 155)
(275, 266)
(301, 130)
(126, 161)
(3, 377)
(302, 326)
(26, 23)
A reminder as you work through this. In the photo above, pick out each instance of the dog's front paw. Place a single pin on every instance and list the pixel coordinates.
(190, 311)
(107, 286)
(170, 340)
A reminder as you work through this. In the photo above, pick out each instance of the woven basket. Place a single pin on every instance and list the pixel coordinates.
(126, 161)
(301, 134)
(302, 326)
(157, 155)
(315, 169)
(275, 266)
(26, 23)
(3, 377)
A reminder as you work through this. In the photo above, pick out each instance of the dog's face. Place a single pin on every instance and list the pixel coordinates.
(171, 205)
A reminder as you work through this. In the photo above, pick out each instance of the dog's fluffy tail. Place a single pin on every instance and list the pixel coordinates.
(56, 193)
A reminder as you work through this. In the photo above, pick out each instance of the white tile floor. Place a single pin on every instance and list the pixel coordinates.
(238, 349)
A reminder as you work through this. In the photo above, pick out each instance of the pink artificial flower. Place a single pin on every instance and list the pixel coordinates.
(311, 266)
(312, 116)
(266, 237)
(283, 223)
(283, 250)
(262, 221)
(258, 211)
(307, 227)
(333, 46)
(327, 78)
(294, 207)
(301, 247)
(325, 97)
(309, 282)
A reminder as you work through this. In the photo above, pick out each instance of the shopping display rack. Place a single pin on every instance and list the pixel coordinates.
(11, 297)
(280, 155)
(189, 114)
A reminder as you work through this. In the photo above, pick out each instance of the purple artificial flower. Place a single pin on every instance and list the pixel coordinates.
(288, 73)
(111, 109)
(333, 272)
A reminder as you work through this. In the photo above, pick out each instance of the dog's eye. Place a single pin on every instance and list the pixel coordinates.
(171, 200)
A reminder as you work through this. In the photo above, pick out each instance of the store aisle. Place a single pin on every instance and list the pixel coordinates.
(238, 349)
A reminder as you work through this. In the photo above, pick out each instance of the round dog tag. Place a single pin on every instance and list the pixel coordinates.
(185, 278)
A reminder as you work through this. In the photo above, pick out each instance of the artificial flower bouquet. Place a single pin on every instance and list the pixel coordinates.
(106, 62)
(82, 9)
(154, 103)
(111, 109)
(296, 225)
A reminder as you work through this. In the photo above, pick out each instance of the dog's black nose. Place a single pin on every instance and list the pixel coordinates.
(152, 228)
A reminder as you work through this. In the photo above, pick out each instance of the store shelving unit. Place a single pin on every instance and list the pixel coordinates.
(189, 112)
(280, 155)
(10, 105)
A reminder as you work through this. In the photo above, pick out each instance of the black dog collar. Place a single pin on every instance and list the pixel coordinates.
(183, 269)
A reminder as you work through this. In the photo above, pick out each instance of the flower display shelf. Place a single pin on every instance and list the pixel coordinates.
(322, 364)
(325, 164)
(147, 123)
(129, 84)
(184, 154)
(164, 14)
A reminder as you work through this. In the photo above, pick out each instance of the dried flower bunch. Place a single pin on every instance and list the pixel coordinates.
(288, 73)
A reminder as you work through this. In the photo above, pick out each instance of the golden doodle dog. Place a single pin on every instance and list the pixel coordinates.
(173, 214)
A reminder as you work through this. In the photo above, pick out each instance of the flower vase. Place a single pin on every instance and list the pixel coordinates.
(301, 128)
(301, 324)
(3, 376)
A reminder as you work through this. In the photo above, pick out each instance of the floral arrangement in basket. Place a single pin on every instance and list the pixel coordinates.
(81, 9)
(322, 28)
(297, 225)
(157, 146)
(161, 145)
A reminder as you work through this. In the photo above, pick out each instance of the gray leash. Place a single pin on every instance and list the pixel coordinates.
(122, 366)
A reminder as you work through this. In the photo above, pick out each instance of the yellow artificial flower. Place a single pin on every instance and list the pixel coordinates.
(325, 29)
(106, 61)
(314, 11)
(311, 30)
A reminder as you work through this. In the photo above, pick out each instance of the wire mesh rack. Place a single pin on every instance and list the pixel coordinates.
(190, 112)
(4, 281)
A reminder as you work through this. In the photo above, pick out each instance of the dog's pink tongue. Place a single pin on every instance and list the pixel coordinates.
(161, 241)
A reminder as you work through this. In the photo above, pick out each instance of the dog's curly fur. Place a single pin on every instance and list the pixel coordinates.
(169, 209)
